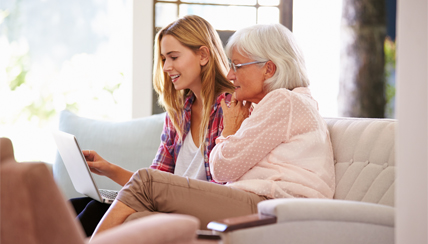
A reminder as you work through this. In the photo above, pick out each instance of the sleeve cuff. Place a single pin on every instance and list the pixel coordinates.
(221, 139)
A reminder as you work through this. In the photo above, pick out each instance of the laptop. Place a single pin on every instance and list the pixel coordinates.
(78, 169)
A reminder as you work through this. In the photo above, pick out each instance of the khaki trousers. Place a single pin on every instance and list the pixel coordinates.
(152, 191)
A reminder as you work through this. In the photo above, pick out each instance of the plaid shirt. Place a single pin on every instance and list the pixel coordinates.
(170, 141)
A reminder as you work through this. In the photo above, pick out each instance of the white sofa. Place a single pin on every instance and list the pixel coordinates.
(362, 210)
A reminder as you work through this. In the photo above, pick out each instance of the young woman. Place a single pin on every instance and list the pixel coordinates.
(282, 150)
(190, 70)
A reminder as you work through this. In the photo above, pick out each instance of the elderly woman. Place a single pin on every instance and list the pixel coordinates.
(282, 150)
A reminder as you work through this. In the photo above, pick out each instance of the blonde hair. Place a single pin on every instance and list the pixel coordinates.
(276, 43)
(193, 32)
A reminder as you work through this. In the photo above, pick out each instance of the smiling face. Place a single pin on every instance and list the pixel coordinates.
(182, 64)
(248, 79)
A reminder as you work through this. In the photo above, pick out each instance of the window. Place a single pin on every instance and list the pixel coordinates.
(55, 55)
(220, 13)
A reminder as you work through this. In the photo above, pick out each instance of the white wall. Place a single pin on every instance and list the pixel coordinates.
(412, 113)
(142, 58)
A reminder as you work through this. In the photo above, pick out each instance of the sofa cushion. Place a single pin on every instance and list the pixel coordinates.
(132, 144)
(364, 153)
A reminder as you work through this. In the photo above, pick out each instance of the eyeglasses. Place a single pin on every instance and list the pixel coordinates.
(233, 66)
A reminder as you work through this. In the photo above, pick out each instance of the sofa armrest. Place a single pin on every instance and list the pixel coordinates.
(327, 210)
(317, 221)
(300, 209)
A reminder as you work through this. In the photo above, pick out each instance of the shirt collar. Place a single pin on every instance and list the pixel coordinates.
(217, 103)
(188, 102)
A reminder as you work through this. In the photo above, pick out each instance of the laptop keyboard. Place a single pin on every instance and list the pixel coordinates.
(109, 194)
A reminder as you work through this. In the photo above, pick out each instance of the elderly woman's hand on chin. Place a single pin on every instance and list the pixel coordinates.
(234, 115)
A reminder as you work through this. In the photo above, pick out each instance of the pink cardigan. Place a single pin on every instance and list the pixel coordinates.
(282, 150)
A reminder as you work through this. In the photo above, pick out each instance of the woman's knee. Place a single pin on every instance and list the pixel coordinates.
(154, 175)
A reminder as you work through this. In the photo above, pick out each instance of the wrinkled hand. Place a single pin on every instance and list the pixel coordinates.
(234, 115)
(97, 164)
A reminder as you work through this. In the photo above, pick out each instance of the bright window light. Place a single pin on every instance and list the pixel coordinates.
(74, 55)
(316, 25)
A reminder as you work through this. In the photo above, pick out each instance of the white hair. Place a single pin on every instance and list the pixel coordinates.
(276, 43)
